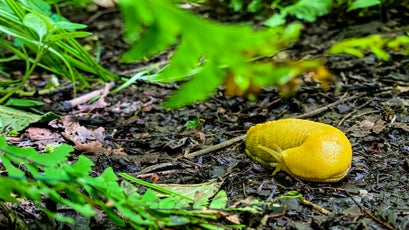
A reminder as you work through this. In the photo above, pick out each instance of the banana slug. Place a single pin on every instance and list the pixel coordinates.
(308, 150)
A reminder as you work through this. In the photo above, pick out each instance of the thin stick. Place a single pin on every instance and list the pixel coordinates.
(86, 97)
(315, 206)
(327, 107)
(375, 218)
(242, 137)
(216, 147)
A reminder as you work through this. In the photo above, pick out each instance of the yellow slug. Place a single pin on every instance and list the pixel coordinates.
(308, 150)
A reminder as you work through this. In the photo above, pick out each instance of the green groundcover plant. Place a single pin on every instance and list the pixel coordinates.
(31, 33)
(35, 176)
(206, 53)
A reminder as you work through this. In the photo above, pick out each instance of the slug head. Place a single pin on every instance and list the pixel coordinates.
(325, 156)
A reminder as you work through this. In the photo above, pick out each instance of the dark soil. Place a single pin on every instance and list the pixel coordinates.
(372, 111)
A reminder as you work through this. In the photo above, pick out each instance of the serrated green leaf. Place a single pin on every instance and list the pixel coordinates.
(53, 175)
(109, 175)
(198, 51)
(59, 217)
(135, 16)
(219, 201)
(189, 92)
(12, 170)
(34, 193)
(81, 168)
(58, 156)
(309, 10)
(149, 197)
(22, 155)
(8, 188)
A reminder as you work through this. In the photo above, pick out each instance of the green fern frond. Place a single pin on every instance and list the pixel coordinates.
(207, 48)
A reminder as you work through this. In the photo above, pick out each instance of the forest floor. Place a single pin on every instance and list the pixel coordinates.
(369, 102)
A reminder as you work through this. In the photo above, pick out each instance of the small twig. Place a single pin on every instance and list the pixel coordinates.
(86, 97)
(167, 172)
(329, 106)
(215, 147)
(99, 14)
(156, 167)
(315, 206)
(242, 137)
(375, 218)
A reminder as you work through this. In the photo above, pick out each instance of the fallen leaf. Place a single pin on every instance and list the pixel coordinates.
(76, 133)
(234, 219)
(366, 127)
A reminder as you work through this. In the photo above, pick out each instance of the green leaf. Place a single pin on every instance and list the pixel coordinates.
(276, 20)
(109, 175)
(68, 35)
(39, 6)
(219, 201)
(309, 10)
(359, 4)
(17, 120)
(380, 53)
(199, 56)
(237, 5)
(150, 197)
(34, 193)
(24, 103)
(31, 155)
(189, 92)
(12, 170)
(81, 168)
(59, 217)
(293, 194)
(66, 25)
(206, 189)
(153, 186)
(192, 124)
(357, 46)
(254, 6)
(8, 188)
(178, 220)
(135, 16)
(35, 23)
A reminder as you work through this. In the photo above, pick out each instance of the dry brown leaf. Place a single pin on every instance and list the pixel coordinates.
(234, 219)
(90, 147)
(400, 125)
(366, 127)
(76, 133)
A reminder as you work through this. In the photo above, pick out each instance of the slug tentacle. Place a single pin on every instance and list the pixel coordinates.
(280, 164)
(304, 149)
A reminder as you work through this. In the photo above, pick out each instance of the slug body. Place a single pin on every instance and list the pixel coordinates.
(308, 150)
